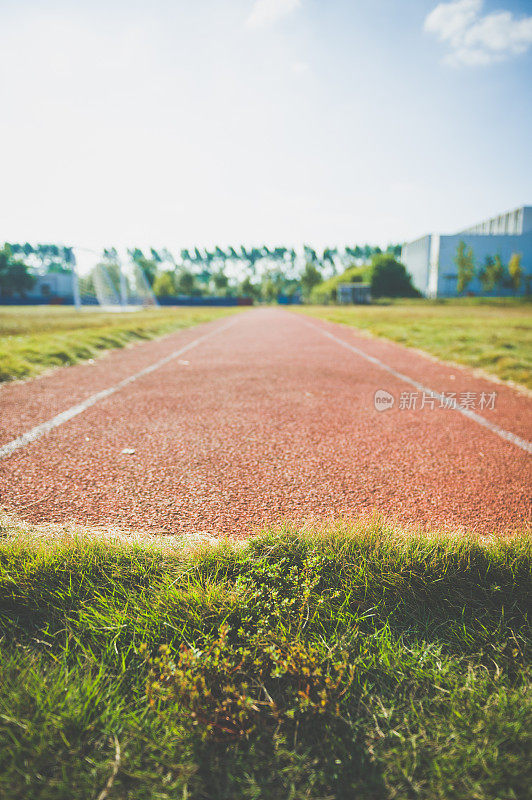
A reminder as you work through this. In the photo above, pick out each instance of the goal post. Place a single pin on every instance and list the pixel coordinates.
(109, 280)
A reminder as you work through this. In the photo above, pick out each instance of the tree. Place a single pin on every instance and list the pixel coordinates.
(272, 284)
(19, 279)
(310, 277)
(389, 278)
(69, 256)
(59, 269)
(220, 280)
(14, 275)
(493, 273)
(328, 255)
(164, 284)
(310, 254)
(255, 255)
(147, 265)
(516, 271)
(499, 271)
(185, 283)
(249, 289)
(149, 268)
(167, 256)
(269, 290)
(394, 249)
(136, 253)
(487, 274)
(204, 277)
(465, 263)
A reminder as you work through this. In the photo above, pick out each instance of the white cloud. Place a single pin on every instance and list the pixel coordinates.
(477, 39)
(266, 12)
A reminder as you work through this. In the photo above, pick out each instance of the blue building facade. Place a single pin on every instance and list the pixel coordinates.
(430, 260)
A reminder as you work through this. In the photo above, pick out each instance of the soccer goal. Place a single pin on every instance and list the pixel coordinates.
(111, 281)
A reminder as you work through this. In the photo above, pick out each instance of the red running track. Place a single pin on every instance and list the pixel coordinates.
(270, 419)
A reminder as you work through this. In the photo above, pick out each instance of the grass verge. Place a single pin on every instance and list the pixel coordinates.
(35, 338)
(495, 336)
(355, 662)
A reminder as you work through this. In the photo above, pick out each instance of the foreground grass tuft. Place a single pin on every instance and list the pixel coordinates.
(360, 663)
(36, 338)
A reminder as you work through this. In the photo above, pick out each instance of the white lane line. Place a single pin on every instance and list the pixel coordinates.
(64, 416)
(466, 412)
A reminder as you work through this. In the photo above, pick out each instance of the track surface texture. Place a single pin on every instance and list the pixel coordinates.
(270, 419)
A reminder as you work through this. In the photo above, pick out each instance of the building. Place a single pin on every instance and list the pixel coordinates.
(53, 285)
(359, 293)
(50, 288)
(430, 260)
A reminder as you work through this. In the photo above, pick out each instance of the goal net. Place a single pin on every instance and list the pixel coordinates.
(109, 280)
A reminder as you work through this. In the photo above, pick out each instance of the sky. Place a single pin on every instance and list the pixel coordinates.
(177, 123)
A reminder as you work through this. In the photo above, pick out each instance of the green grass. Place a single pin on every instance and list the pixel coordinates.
(355, 663)
(35, 338)
(495, 336)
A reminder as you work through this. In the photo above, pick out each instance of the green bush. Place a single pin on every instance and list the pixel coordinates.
(389, 278)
